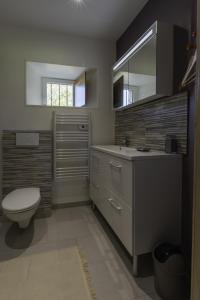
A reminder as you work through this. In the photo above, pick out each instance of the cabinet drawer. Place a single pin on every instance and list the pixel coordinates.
(121, 221)
(111, 190)
(117, 214)
(120, 178)
(112, 173)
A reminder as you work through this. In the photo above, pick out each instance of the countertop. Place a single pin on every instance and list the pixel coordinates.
(129, 153)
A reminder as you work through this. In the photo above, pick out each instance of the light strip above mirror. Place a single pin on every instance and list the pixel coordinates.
(152, 31)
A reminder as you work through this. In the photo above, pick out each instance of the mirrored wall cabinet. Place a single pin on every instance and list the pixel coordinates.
(145, 72)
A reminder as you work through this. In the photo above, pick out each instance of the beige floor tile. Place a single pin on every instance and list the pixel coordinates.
(101, 277)
(72, 229)
(92, 252)
(40, 228)
(131, 287)
(108, 294)
(43, 268)
(65, 243)
(69, 214)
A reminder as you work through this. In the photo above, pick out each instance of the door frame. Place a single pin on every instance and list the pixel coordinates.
(195, 286)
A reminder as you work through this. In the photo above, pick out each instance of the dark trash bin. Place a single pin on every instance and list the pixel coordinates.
(170, 272)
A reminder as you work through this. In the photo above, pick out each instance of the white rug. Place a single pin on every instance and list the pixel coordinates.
(51, 275)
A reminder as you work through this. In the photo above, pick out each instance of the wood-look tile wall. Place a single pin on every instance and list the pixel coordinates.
(148, 124)
(28, 166)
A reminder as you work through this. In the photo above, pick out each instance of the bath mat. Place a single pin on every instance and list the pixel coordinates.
(86, 274)
(60, 274)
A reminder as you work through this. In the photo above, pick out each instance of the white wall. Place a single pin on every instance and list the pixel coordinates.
(147, 90)
(20, 45)
(36, 72)
(33, 86)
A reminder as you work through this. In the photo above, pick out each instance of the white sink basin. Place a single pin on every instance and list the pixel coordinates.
(128, 152)
(119, 149)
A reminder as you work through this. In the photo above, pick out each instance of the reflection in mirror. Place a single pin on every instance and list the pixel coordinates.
(142, 72)
(121, 86)
(136, 80)
(63, 86)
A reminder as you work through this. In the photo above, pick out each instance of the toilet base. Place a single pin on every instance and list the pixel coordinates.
(22, 218)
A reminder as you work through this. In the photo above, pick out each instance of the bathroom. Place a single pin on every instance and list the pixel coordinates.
(70, 231)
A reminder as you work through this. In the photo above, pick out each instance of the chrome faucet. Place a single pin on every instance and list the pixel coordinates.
(125, 141)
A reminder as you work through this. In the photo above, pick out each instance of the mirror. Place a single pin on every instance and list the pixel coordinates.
(142, 72)
(136, 79)
(145, 71)
(54, 85)
(120, 86)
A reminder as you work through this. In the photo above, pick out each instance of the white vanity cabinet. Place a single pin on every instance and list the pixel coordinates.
(139, 194)
(111, 194)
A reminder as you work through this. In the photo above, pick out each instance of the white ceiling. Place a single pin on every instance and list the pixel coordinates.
(105, 19)
(135, 79)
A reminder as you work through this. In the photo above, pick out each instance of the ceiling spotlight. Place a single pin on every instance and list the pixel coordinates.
(79, 1)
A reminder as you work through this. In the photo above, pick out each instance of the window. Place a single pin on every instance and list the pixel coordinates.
(61, 86)
(58, 92)
(128, 97)
(130, 93)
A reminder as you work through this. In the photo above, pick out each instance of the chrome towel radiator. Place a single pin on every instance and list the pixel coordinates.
(71, 146)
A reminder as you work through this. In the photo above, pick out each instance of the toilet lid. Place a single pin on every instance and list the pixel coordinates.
(21, 199)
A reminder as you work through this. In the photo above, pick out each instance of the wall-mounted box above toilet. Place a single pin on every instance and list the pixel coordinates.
(27, 139)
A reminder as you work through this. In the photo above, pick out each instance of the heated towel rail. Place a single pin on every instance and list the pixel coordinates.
(71, 146)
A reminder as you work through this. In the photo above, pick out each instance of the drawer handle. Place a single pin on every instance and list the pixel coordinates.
(112, 164)
(117, 207)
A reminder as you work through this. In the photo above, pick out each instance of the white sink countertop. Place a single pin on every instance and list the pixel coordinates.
(131, 153)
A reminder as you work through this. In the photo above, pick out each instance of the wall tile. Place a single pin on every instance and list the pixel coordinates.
(28, 166)
(148, 124)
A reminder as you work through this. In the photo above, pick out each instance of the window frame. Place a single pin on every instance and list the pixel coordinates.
(129, 88)
(46, 80)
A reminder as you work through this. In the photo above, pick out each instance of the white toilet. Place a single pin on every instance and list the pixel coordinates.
(21, 204)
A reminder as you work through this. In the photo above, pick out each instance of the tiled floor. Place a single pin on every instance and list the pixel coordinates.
(66, 227)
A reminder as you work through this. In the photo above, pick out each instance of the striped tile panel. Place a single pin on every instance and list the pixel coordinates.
(28, 167)
(148, 124)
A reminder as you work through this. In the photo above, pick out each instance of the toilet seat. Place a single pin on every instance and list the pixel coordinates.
(21, 200)
(20, 211)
